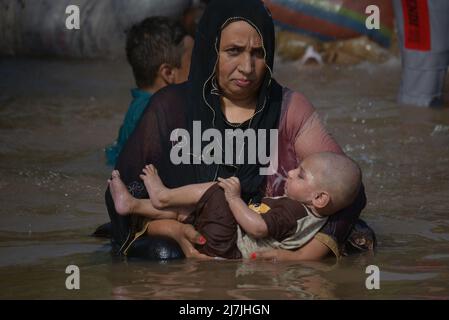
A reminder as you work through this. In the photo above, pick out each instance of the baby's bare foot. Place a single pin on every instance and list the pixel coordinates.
(123, 200)
(156, 189)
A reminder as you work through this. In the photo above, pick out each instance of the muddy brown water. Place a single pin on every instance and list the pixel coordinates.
(56, 116)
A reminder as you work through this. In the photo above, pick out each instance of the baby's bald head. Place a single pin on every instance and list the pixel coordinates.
(337, 175)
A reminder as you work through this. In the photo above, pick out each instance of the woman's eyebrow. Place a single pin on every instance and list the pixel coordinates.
(242, 46)
(233, 45)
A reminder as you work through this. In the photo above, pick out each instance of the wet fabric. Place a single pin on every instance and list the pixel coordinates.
(140, 100)
(154, 248)
(215, 221)
(281, 216)
(290, 226)
(361, 239)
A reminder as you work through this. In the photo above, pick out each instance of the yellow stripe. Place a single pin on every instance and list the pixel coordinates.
(136, 236)
(328, 242)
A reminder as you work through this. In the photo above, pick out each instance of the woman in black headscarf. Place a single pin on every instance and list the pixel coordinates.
(230, 86)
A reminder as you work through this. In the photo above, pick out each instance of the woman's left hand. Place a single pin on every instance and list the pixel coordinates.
(184, 234)
(186, 240)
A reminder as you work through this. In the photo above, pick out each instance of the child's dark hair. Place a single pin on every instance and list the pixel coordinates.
(152, 42)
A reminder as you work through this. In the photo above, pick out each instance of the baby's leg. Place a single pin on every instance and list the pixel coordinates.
(126, 204)
(163, 197)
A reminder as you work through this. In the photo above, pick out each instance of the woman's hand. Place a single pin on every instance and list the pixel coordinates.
(184, 234)
(182, 213)
(187, 238)
(182, 216)
(231, 187)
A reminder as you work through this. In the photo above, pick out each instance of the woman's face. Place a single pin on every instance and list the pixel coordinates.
(241, 63)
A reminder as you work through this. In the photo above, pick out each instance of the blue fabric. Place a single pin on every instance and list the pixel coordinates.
(140, 100)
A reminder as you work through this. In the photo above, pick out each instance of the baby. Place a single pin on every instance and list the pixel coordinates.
(320, 186)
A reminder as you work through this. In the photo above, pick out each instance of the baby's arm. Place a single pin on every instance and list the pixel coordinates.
(250, 221)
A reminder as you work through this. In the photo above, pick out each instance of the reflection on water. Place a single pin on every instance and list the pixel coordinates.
(56, 116)
(234, 280)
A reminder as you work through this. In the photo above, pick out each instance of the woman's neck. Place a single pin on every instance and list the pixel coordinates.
(238, 111)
